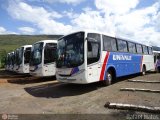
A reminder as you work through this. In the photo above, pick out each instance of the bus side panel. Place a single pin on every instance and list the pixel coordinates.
(36, 70)
(124, 63)
(25, 68)
(148, 61)
(49, 69)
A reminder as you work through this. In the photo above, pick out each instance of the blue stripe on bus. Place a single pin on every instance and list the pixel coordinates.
(124, 63)
(74, 70)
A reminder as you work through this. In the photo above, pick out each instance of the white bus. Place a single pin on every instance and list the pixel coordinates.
(15, 66)
(86, 57)
(7, 62)
(22, 59)
(43, 57)
(157, 60)
(11, 61)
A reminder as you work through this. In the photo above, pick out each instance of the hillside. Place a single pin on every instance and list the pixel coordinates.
(11, 42)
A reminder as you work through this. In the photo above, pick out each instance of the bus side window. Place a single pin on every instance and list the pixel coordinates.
(93, 44)
(89, 46)
(150, 51)
(139, 48)
(109, 43)
(122, 45)
(132, 48)
(145, 51)
(49, 53)
(158, 56)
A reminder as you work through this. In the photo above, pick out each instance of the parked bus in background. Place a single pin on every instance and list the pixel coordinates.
(86, 57)
(156, 51)
(23, 58)
(7, 61)
(43, 57)
(15, 66)
(11, 61)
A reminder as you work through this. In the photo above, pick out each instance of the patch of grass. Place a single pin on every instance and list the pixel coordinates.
(11, 42)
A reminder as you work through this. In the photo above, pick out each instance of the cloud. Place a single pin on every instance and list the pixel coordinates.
(26, 12)
(112, 6)
(139, 24)
(4, 31)
(73, 2)
(27, 30)
(38, 16)
(91, 20)
(70, 14)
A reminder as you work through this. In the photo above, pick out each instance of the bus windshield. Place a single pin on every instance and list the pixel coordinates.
(16, 56)
(70, 50)
(12, 58)
(20, 55)
(36, 54)
(27, 55)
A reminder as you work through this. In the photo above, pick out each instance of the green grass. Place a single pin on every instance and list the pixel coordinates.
(11, 42)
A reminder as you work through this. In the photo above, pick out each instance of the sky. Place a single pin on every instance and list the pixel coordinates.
(138, 20)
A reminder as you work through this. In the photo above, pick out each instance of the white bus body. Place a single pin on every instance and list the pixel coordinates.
(11, 65)
(157, 60)
(22, 61)
(15, 66)
(86, 57)
(7, 61)
(43, 56)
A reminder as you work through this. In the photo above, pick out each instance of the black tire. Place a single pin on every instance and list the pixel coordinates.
(109, 78)
(158, 70)
(143, 71)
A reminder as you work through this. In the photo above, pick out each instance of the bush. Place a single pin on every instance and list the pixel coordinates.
(2, 58)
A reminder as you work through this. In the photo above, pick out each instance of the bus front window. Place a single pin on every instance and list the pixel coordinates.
(20, 56)
(70, 50)
(36, 54)
(27, 55)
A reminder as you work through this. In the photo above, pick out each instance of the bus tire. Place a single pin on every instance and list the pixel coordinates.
(143, 70)
(109, 78)
(158, 69)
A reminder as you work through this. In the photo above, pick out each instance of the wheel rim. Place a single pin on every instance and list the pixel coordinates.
(143, 72)
(109, 78)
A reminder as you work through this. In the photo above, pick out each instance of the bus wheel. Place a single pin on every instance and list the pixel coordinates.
(143, 71)
(109, 78)
(158, 69)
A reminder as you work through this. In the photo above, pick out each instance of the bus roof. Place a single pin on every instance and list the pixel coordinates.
(107, 34)
(88, 31)
(156, 51)
(47, 41)
(26, 46)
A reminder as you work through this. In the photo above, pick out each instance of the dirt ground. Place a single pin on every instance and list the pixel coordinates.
(24, 94)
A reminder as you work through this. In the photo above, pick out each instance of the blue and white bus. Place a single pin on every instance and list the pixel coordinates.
(86, 57)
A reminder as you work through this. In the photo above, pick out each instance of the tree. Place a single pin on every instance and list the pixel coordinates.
(2, 58)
